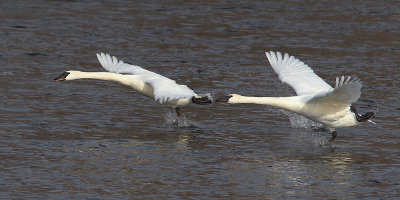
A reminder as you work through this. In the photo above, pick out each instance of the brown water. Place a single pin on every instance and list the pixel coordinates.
(100, 140)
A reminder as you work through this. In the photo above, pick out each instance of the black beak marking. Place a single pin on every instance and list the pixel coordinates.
(62, 77)
(224, 99)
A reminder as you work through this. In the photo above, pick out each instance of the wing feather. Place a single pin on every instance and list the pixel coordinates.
(164, 89)
(297, 74)
(347, 91)
(112, 64)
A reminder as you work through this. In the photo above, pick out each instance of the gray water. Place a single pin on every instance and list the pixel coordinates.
(92, 139)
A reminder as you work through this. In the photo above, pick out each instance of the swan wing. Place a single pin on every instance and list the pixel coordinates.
(112, 64)
(297, 74)
(164, 89)
(347, 91)
(167, 90)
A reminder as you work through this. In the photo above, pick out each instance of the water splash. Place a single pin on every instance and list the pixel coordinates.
(318, 138)
(171, 120)
(298, 121)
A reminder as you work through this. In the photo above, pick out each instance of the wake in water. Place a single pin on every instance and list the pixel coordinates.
(300, 122)
(171, 120)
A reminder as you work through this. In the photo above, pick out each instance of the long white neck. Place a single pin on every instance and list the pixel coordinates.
(95, 75)
(288, 103)
(130, 80)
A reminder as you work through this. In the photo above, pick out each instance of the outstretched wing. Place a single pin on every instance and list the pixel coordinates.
(347, 91)
(112, 64)
(297, 74)
(167, 90)
(164, 89)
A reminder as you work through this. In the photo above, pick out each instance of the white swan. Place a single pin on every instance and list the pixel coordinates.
(145, 82)
(315, 99)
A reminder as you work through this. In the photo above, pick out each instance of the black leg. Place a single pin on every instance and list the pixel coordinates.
(362, 118)
(178, 111)
(334, 134)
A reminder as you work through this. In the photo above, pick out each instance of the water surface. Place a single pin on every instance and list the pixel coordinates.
(99, 140)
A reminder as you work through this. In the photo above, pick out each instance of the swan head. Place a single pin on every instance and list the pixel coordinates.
(67, 76)
(232, 98)
(202, 99)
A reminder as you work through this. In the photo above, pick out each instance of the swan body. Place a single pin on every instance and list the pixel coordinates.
(300, 105)
(147, 83)
(315, 99)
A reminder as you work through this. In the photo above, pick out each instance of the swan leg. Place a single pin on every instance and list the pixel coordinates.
(178, 111)
(362, 118)
(334, 134)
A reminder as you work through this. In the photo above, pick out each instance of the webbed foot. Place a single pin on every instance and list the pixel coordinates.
(362, 118)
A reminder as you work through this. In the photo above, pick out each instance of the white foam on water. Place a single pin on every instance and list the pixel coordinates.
(298, 121)
(171, 120)
(313, 128)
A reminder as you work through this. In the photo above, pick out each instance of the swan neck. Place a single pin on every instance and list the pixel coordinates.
(287, 103)
(98, 75)
(129, 80)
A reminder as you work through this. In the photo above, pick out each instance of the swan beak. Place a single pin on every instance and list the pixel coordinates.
(59, 79)
(62, 77)
(224, 99)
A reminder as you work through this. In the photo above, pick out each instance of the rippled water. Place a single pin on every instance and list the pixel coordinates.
(100, 140)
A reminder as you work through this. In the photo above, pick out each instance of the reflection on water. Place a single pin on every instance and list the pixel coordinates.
(99, 140)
